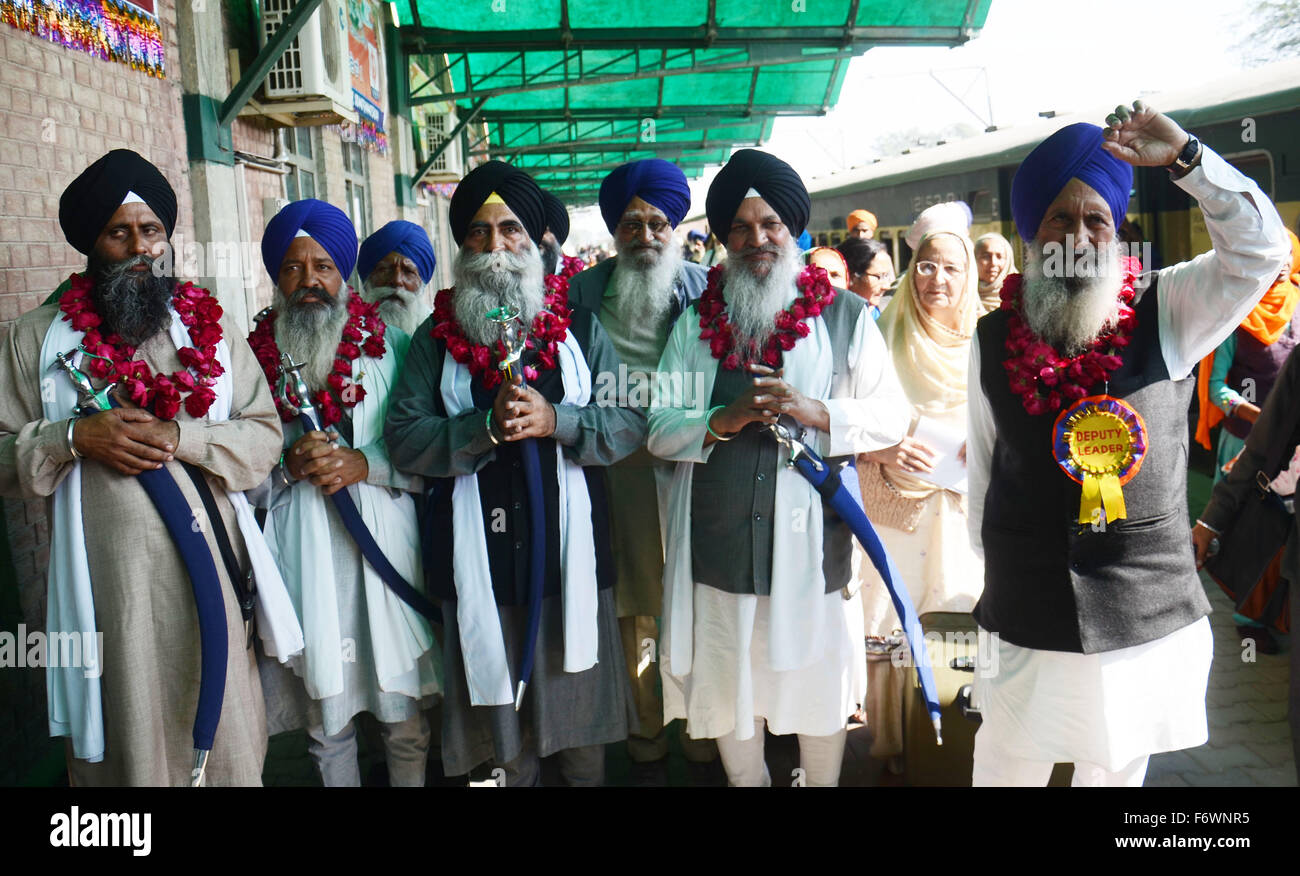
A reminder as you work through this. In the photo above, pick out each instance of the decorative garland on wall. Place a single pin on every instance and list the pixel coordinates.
(108, 29)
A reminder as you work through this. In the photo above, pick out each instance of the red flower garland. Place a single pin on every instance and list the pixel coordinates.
(1044, 379)
(547, 330)
(363, 332)
(570, 265)
(817, 294)
(200, 313)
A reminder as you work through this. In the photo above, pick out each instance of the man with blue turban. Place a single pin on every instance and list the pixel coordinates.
(366, 649)
(514, 449)
(395, 264)
(638, 295)
(1095, 646)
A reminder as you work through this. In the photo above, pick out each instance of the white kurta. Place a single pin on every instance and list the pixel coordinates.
(726, 678)
(1110, 708)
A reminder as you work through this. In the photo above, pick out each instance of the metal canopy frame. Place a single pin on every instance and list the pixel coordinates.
(488, 67)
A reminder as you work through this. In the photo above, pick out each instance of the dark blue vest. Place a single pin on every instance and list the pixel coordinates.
(1053, 584)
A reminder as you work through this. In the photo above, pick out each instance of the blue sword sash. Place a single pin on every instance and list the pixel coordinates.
(828, 482)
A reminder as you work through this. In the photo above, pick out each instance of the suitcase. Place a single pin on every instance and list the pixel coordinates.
(925, 762)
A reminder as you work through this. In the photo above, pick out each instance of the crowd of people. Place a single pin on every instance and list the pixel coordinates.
(432, 511)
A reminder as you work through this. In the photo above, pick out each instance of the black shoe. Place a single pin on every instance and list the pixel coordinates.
(1264, 641)
(648, 774)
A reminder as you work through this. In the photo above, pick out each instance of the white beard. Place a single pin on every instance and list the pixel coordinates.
(644, 279)
(486, 281)
(1071, 312)
(398, 307)
(310, 333)
(752, 301)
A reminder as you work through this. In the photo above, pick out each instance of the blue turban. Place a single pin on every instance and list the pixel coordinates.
(805, 241)
(657, 182)
(326, 224)
(400, 236)
(1073, 151)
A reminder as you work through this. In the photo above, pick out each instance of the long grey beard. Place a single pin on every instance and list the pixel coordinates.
(488, 280)
(131, 305)
(1070, 312)
(310, 333)
(644, 279)
(405, 311)
(752, 301)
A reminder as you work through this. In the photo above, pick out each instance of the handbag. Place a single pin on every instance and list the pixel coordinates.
(884, 504)
(1251, 546)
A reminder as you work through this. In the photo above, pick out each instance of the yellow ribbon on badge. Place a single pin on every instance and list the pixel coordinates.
(1101, 446)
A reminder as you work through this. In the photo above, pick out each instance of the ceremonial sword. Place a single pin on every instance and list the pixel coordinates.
(826, 479)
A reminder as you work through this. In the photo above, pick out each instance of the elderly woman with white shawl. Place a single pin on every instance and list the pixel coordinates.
(928, 328)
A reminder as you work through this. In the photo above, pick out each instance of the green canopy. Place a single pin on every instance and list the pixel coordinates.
(572, 88)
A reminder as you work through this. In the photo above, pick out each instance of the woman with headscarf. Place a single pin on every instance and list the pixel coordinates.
(928, 328)
(829, 260)
(1234, 380)
(996, 261)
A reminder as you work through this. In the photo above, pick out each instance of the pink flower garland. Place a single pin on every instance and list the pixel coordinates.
(817, 294)
(547, 331)
(1044, 379)
(200, 313)
(363, 332)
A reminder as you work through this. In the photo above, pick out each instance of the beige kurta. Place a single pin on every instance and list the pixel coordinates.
(144, 605)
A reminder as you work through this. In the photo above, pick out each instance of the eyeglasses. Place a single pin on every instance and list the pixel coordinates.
(633, 228)
(881, 278)
(929, 269)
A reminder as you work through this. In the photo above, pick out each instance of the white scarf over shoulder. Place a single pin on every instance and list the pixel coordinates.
(75, 705)
(486, 669)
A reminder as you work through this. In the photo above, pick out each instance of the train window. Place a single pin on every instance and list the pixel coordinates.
(1256, 164)
(981, 205)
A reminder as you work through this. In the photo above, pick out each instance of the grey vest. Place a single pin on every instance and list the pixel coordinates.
(733, 495)
(1053, 584)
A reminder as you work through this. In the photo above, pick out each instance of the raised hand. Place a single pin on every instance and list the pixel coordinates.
(1143, 137)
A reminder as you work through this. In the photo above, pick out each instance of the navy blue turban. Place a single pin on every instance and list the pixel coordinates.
(92, 198)
(326, 224)
(657, 182)
(1074, 151)
(557, 216)
(519, 191)
(766, 174)
(400, 236)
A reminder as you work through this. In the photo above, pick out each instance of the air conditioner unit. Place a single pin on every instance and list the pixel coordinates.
(434, 128)
(313, 74)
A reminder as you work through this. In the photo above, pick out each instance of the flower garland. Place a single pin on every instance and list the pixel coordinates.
(112, 359)
(547, 331)
(571, 265)
(363, 332)
(816, 294)
(1044, 379)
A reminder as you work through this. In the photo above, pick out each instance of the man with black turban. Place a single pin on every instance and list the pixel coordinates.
(514, 453)
(191, 413)
(758, 625)
(638, 295)
(395, 264)
(1096, 646)
(366, 649)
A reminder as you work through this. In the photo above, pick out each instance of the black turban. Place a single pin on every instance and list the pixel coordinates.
(91, 199)
(768, 175)
(557, 216)
(519, 191)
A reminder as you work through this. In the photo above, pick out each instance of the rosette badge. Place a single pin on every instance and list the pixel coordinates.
(1100, 442)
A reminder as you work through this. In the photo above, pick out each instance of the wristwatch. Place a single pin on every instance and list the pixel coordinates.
(1186, 159)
